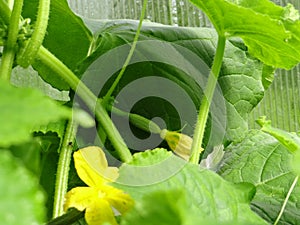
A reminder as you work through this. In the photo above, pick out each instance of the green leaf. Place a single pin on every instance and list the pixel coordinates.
(207, 194)
(67, 38)
(261, 160)
(171, 207)
(29, 153)
(40, 156)
(183, 56)
(22, 201)
(21, 110)
(55, 127)
(271, 32)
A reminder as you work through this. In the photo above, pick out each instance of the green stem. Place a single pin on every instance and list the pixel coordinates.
(61, 184)
(139, 121)
(112, 133)
(48, 59)
(27, 54)
(206, 101)
(10, 47)
(136, 37)
(286, 200)
(68, 218)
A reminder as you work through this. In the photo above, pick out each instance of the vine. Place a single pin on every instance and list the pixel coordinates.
(27, 54)
(61, 184)
(206, 101)
(129, 56)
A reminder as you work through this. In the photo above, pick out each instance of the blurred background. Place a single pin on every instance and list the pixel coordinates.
(281, 103)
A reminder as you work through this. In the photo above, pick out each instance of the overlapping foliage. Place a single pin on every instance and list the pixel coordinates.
(255, 181)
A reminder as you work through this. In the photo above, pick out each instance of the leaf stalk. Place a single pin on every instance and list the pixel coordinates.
(206, 101)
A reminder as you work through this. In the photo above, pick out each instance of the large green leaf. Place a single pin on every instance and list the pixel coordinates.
(171, 207)
(22, 201)
(39, 155)
(21, 110)
(207, 194)
(183, 56)
(271, 32)
(67, 38)
(261, 160)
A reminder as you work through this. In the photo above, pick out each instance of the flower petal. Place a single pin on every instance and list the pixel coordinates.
(119, 199)
(80, 198)
(100, 212)
(180, 143)
(91, 166)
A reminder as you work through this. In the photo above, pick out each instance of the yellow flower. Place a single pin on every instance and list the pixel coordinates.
(181, 144)
(98, 199)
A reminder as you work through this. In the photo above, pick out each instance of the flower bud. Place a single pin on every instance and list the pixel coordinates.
(180, 143)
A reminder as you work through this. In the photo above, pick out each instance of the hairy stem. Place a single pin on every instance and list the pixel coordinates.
(10, 47)
(206, 101)
(139, 121)
(136, 37)
(61, 184)
(48, 59)
(27, 54)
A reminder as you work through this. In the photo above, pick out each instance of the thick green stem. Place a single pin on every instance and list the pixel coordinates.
(27, 54)
(136, 37)
(61, 184)
(112, 133)
(48, 59)
(10, 47)
(139, 121)
(68, 218)
(206, 101)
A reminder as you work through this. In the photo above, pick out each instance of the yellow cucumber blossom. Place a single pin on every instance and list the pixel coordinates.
(181, 144)
(99, 198)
